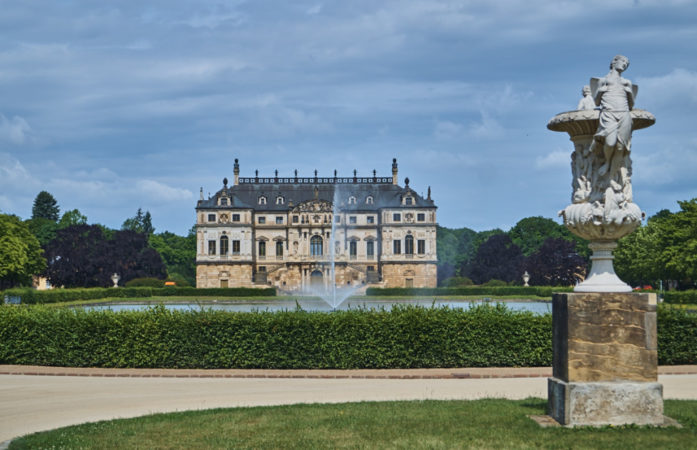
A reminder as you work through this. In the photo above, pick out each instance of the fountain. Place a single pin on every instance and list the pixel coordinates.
(332, 294)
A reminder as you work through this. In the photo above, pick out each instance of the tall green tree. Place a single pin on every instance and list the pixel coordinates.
(45, 207)
(178, 253)
(20, 253)
(72, 217)
(140, 223)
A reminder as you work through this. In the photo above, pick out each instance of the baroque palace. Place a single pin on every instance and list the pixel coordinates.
(287, 231)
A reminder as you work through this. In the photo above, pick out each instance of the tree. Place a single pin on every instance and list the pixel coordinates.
(45, 207)
(497, 258)
(43, 229)
(530, 233)
(72, 217)
(140, 223)
(178, 253)
(82, 256)
(20, 253)
(555, 263)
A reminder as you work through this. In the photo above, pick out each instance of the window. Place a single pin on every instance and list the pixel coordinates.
(396, 246)
(352, 200)
(352, 219)
(279, 200)
(370, 219)
(370, 249)
(211, 247)
(235, 247)
(262, 249)
(421, 246)
(296, 219)
(409, 245)
(224, 245)
(408, 201)
(353, 249)
(235, 217)
(316, 246)
(279, 249)
(369, 200)
(396, 217)
(262, 268)
(337, 219)
(262, 200)
(223, 201)
(211, 217)
(262, 219)
(279, 220)
(421, 217)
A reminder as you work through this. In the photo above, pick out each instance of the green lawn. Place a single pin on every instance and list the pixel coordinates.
(426, 424)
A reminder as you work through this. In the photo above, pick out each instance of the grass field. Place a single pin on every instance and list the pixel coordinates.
(423, 424)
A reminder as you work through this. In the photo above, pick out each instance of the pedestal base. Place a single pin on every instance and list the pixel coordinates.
(605, 403)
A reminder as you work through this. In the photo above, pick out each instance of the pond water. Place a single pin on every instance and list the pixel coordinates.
(309, 304)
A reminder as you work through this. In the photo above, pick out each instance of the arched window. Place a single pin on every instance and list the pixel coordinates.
(316, 246)
(224, 245)
(262, 200)
(279, 200)
(369, 200)
(352, 200)
(409, 244)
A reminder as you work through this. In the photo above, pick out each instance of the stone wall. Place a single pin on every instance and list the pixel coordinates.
(216, 275)
(401, 275)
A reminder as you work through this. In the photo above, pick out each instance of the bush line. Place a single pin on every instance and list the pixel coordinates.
(402, 337)
(540, 291)
(33, 296)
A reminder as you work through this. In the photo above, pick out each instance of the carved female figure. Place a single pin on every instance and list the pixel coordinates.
(615, 96)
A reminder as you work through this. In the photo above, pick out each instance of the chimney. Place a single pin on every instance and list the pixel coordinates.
(237, 172)
(394, 171)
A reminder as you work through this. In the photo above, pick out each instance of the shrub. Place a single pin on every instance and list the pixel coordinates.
(457, 282)
(540, 291)
(495, 283)
(146, 282)
(681, 297)
(403, 337)
(180, 280)
(32, 296)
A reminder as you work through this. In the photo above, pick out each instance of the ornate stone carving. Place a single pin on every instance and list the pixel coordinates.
(314, 206)
(602, 204)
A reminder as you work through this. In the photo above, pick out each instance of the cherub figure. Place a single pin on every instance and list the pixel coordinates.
(587, 101)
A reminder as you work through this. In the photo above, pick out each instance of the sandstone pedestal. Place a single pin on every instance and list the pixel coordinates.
(605, 369)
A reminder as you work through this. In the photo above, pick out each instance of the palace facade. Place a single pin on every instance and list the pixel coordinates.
(287, 231)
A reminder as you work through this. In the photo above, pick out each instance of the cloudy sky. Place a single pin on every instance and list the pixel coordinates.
(111, 106)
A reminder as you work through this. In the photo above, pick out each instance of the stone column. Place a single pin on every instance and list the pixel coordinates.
(605, 360)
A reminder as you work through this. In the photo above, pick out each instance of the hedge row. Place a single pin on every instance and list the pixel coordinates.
(540, 291)
(33, 296)
(680, 297)
(403, 337)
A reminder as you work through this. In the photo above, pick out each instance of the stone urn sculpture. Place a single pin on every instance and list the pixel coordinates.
(602, 209)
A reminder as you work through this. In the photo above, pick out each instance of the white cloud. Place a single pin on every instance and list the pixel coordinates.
(315, 9)
(554, 160)
(15, 130)
(676, 87)
(486, 128)
(157, 192)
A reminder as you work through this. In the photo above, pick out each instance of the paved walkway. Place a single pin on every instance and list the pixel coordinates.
(40, 398)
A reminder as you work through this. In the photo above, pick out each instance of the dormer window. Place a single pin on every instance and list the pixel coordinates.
(369, 200)
(352, 200)
(280, 200)
(224, 201)
(262, 200)
(408, 200)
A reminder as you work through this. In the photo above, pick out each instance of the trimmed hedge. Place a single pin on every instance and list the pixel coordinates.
(540, 291)
(403, 337)
(33, 296)
(680, 297)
